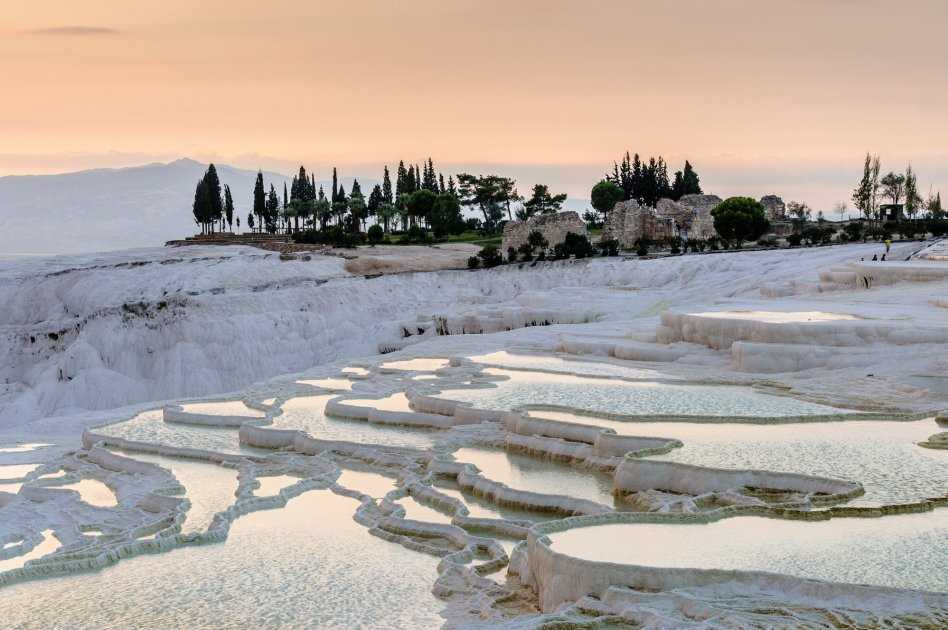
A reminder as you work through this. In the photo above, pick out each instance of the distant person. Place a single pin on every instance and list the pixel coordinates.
(883, 257)
(862, 259)
(888, 244)
(875, 257)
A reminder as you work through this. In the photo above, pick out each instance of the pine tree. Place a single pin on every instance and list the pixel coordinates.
(335, 186)
(286, 201)
(441, 188)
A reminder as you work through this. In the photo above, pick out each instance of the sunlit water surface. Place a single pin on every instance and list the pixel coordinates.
(881, 455)
(905, 551)
(630, 398)
(308, 564)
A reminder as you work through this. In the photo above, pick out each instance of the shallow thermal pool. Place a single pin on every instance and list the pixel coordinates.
(522, 472)
(904, 551)
(210, 488)
(630, 398)
(341, 384)
(554, 363)
(308, 414)
(307, 563)
(48, 545)
(778, 317)
(16, 471)
(883, 456)
(417, 365)
(149, 427)
(22, 448)
(224, 408)
(93, 492)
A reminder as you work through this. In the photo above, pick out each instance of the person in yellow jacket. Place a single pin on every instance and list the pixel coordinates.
(888, 245)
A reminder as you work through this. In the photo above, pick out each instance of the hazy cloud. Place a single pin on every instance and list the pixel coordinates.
(74, 30)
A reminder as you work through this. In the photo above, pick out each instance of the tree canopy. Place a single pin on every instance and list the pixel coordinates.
(740, 219)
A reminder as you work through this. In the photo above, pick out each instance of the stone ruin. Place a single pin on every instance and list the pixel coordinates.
(775, 208)
(688, 217)
(553, 227)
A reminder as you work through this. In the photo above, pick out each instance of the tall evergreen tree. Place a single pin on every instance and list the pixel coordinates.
(335, 186)
(259, 200)
(229, 207)
(286, 201)
(387, 187)
(691, 184)
(273, 209)
(441, 188)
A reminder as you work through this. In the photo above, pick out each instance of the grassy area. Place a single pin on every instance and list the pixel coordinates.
(469, 236)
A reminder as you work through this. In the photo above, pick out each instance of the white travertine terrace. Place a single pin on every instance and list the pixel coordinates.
(818, 347)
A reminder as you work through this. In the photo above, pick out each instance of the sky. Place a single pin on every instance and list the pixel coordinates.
(762, 97)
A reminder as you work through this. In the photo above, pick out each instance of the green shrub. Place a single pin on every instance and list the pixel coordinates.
(490, 256)
(511, 255)
(473, 262)
(376, 234)
(609, 247)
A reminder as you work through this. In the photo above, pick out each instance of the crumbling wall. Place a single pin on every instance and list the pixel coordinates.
(775, 208)
(553, 227)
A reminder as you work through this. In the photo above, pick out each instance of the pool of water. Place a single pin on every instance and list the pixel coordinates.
(881, 455)
(368, 483)
(149, 427)
(48, 545)
(338, 384)
(555, 363)
(417, 365)
(210, 488)
(22, 448)
(417, 511)
(308, 414)
(537, 475)
(273, 484)
(480, 508)
(306, 564)
(16, 471)
(356, 370)
(778, 317)
(904, 551)
(226, 408)
(396, 402)
(630, 398)
(93, 492)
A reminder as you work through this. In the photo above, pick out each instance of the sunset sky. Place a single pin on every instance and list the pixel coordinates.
(781, 97)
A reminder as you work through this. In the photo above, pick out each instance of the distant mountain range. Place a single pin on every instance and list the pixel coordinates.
(115, 208)
(120, 208)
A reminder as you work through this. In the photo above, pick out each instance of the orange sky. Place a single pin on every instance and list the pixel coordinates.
(758, 87)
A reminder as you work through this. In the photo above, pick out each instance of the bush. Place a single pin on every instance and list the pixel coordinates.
(641, 247)
(577, 245)
(376, 234)
(526, 252)
(854, 231)
(740, 219)
(609, 247)
(473, 262)
(415, 234)
(537, 240)
(542, 255)
(794, 240)
(938, 227)
(335, 236)
(511, 255)
(490, 256)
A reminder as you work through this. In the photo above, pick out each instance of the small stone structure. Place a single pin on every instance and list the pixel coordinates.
(628, 221)
(553, 227)
(688, 217)
(775, 208)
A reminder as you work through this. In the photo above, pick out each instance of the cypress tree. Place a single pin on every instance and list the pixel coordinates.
(441, 188)
(229, 207)
(286, 201)
(387, 187)
(690, 181)
(215, 208)
(335, 186)
(259, 200)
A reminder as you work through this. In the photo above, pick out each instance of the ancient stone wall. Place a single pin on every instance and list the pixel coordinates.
(553, 227)
(775, 208)
(702, 225)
